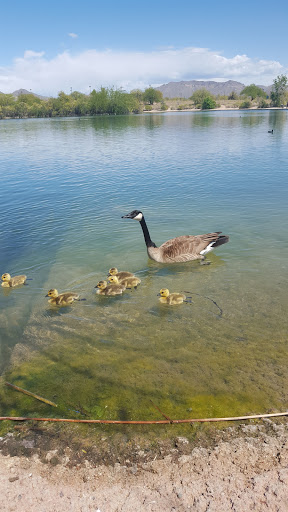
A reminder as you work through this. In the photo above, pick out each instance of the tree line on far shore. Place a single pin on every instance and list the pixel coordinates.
(252, 95)
(117, 101)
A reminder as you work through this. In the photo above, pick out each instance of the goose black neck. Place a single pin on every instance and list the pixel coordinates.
(146, 233)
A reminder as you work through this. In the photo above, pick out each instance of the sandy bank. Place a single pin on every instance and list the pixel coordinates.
(247, 469)
(222, 107)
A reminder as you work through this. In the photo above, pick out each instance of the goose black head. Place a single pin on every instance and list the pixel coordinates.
(136, 215)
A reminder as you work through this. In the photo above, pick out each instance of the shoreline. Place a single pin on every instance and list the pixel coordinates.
(220, 109)
(244, 468)
(153, 111)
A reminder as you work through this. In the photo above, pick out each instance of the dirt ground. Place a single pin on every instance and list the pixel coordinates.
(246, 468)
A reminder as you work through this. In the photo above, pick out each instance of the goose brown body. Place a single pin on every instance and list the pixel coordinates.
(182, 248)
(61, 299)
(10, 282)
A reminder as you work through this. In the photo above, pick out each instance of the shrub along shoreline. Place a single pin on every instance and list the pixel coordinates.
(110, 101)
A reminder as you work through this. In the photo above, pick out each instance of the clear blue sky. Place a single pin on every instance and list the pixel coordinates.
(226, 29)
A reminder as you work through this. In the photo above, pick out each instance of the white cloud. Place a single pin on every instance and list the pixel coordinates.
(29, 54)
(130, 69)
(73, 35)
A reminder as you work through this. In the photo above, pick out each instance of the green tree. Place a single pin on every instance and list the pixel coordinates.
(138, 94)
(6, 99)
(253, 91)
(20, 108)
(29, 99)
(119, 102)
(151, 96)
(62, 105)
(9, 111)
(199, 96)
(279, 89)
(208, 103)
(39, 110)
(98, 101)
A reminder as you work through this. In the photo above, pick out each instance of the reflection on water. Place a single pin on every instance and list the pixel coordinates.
(65, 184)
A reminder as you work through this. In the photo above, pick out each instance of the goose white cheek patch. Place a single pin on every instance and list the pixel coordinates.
(138, 217)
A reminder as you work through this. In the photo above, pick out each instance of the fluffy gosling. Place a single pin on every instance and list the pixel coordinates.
(128, 282)
(10, 282)
(171, 298)
(62, 299)
(121, 275)
(109, 289)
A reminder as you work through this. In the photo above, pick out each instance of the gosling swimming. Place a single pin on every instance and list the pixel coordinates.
(121, 275)
(9, 281)
(171, 298)
(128, 282)
(182, 248)
(109, 289)
(62, 299)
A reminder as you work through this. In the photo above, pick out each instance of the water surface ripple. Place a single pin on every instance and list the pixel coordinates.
(65, 184)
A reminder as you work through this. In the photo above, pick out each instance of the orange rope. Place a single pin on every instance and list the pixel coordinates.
(149, 422)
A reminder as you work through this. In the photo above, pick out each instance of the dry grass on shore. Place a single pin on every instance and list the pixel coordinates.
(181, 104)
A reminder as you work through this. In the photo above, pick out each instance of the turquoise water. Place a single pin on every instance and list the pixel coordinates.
(65, 184)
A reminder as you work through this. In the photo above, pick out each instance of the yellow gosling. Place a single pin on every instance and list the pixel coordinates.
(171, 298)
(128, 282)
(109, 289)
(10, 282)
(121, 275)
(61, 299)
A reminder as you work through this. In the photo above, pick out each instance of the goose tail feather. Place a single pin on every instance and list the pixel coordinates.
(223, 239)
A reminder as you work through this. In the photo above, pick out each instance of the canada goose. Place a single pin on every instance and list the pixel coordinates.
(9, 281)
(121, 275)
(182, 248)
(62, 299)
(109, 289)
(128, 282)
(171, 298)
(270, 131)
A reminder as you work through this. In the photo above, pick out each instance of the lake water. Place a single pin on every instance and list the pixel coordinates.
(65, 183)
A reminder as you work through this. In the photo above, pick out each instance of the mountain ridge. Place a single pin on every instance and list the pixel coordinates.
(185, 89)
(19, 92)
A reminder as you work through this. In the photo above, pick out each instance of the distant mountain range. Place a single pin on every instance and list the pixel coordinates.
(24, 91)
(182, 89)
(186, 89)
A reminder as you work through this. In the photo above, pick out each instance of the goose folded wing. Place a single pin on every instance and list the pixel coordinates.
(186, 247)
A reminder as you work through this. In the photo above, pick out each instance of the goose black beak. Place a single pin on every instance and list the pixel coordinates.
(47, 295)
(128, 216)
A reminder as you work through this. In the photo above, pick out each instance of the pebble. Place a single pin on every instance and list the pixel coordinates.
(13, 478)
(181, 441)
